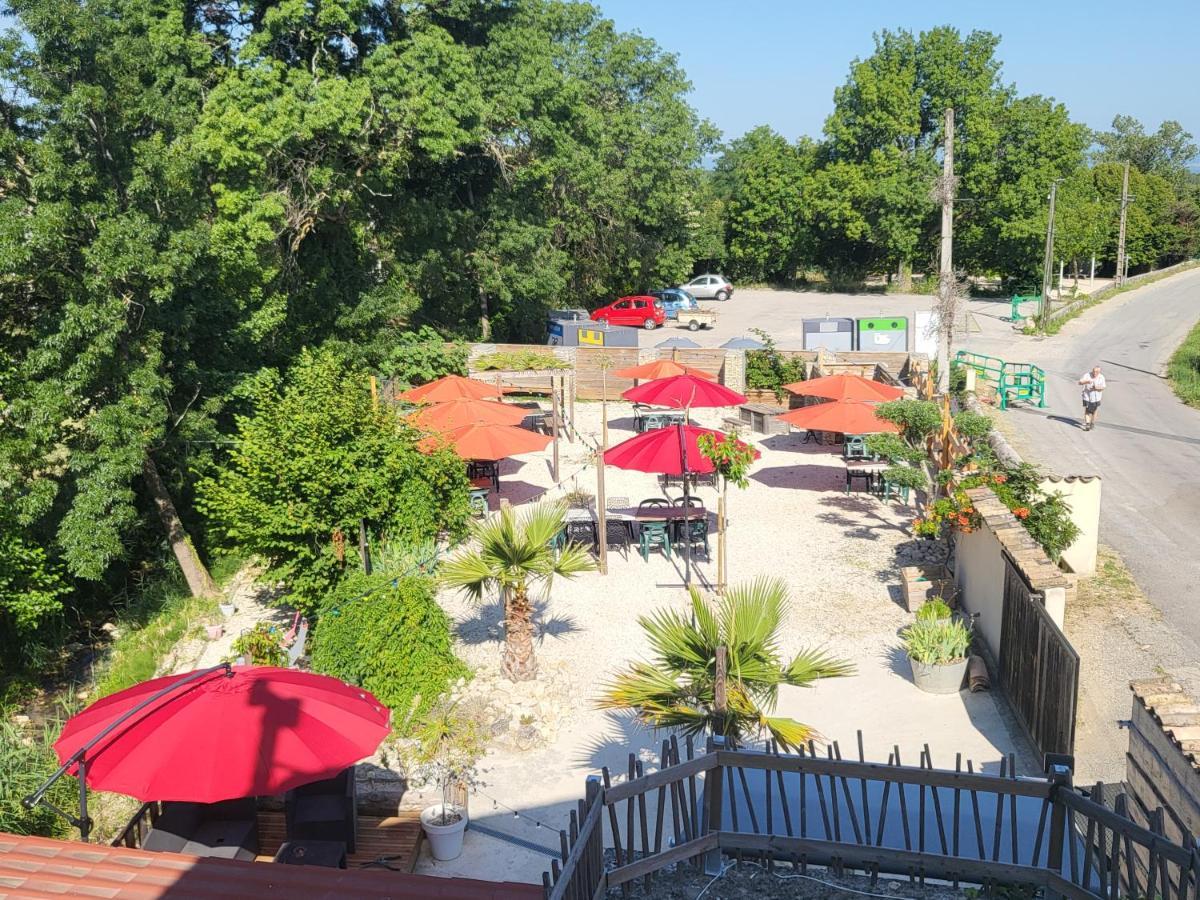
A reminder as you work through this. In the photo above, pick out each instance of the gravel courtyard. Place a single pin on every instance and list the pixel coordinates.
(838, 555)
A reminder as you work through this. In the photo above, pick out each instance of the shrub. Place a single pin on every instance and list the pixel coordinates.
(974, 426)
(314, 460)
(917, 419)
(423, 356)
(1047, 517)
(937, 641)
(935, 608)
(519, 360)
(392, 639)
(262, 645)
(768, 370)
(27, 760)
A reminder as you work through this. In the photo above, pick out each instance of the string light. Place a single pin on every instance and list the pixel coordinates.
(517, 814)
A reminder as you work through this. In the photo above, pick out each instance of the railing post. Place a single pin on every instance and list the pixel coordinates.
(713, 809)
(1059, 767)
(593, 861)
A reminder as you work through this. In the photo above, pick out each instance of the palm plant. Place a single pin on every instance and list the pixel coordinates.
(719, 671)
(512, 555)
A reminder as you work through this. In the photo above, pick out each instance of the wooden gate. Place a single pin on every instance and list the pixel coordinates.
(1038, 666)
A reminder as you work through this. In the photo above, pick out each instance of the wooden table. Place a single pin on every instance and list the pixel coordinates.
(865, 469)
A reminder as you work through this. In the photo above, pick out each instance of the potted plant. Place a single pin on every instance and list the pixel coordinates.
(445, 752)
(227, 608)
(937, 645)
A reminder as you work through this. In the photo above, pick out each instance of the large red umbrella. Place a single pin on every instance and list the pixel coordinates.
(662, 368)
(846, 416)
(490, 441)
(683, 392)
(666, 451)
(464, 411)
(451, 387)
(845, 387)
(236, 731)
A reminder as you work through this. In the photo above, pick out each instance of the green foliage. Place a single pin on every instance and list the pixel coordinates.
(26, 760)
(392, 639)
(421, 356)
(519, 360)
(906, 476)
(445, 751)
(935, 608)
(730, 457)
(262, 645)
(677, 689)
(315, 459)
(894, 448)
(768, 369)
(917, 419)
(32, 589)
(973, 426)
(1046, 516)
(1184, 369)
(1167, 152)
(937, 641)
(399, 558)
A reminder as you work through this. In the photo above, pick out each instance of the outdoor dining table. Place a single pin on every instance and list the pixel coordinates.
(485, 469)
(648, 418)
(868, 470)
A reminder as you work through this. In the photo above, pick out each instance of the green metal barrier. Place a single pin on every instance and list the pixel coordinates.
(1017, 300)
(1013, 381)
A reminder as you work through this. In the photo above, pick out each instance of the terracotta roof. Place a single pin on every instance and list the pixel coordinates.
(35, 867)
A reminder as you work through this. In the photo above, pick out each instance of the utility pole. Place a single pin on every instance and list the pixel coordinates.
(946, 286)
(1122, 262)
(1048, 257)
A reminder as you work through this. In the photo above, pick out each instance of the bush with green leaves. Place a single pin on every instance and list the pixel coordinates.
(1045, 515)
(26, 760)
(972, 425)
(768, 369)
(937, 641)
(390, 638)
(315, 459)
(262, 645)
(32, 588)
(916, 419)
(519, 361)
(934, 608)
(421, 356)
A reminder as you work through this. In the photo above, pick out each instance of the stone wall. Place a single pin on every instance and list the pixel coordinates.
(979, 567)
(1162, 765)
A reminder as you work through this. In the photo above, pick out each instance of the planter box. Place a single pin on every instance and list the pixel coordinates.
(921, 583)
(945, 679)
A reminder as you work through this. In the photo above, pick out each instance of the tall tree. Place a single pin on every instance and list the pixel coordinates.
(1166, 152)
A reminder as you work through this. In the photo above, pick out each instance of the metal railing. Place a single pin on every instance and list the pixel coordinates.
(918, 822)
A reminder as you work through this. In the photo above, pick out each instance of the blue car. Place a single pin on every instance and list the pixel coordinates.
(675, 299)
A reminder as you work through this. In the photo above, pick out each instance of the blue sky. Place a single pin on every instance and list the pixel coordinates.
(776, 62)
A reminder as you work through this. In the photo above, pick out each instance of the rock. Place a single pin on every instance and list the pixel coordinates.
(21, 720)
(111, 629)
(81, 695)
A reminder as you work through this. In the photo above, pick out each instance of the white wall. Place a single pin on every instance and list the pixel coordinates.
(1082, 493)
(979, 575)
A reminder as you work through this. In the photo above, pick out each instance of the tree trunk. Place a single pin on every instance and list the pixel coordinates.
(519, 662)
(904, 276)
(199, 581)
(485, 324)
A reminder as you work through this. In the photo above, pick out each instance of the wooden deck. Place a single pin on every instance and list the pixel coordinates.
(395, 839)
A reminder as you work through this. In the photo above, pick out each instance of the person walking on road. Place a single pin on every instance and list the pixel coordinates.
(1093, 387)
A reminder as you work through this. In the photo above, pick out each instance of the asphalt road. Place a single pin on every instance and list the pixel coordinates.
(1146, 445)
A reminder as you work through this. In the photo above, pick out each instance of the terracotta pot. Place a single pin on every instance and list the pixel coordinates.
(215, 632)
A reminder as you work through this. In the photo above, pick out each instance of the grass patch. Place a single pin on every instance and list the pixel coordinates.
(1183, 371)
(26, 760)
(1112, 588)
(157, 616)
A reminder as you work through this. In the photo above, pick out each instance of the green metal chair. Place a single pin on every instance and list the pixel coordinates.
(655, 534)
(695, 533)
(479, 502)
(855, 447)
(888, 491)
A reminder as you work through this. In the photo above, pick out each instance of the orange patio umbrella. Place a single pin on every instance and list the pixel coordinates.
(491, 442)
(846, 416)
(451, 387)
(661, 368)
(845, 387)
(464, 411)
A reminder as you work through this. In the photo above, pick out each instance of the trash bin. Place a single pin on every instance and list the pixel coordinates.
(829, 334)
(888, 334)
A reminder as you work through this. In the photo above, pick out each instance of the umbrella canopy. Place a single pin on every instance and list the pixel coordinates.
(665, 451)
(680, 343)
(462, 412)
(661, 368)
(451, 387)
(683, 392)
(846, 416)
(490, 441)
(846, 387)
(248, 731)
(742, 343)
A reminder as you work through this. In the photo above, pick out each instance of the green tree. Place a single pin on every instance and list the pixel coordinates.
(512, 555)
(682, 686)
(314, 460)
(1167, 152)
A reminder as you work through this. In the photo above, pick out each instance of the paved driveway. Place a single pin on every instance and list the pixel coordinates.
(1146, 445)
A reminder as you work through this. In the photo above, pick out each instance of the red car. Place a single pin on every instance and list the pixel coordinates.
(640, 311)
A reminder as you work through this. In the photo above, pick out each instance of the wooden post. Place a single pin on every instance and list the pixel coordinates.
(714, 789)
(363, 548)
(601, 515)
(499, 389)
(721, 563)
(571, 407)
(554, 423)
(720, 694)
(374, 392)
(1122, 262)
(946, 284)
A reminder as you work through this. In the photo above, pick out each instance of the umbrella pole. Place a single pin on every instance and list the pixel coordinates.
(687, 512)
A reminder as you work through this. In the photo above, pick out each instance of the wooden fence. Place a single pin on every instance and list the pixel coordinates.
(918, 822)
(1039, 668)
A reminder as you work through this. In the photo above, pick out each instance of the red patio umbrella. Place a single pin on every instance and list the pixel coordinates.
(683, 392)
(846, 387)
(490, 441)
(221, 733)
(464, 411)
(451, 387)
(846, 416)
(661, 368)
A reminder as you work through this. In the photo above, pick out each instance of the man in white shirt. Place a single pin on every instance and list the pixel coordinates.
(1093, 387)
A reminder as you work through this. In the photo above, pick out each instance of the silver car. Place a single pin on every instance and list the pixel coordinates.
(709, 287)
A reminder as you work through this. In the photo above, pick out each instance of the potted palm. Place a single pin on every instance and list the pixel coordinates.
(937, 645)
(718, 669)
(444, 754)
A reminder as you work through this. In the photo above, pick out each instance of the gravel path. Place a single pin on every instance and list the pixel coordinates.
(837, 553)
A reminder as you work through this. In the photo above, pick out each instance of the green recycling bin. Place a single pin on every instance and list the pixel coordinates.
(886, 334)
